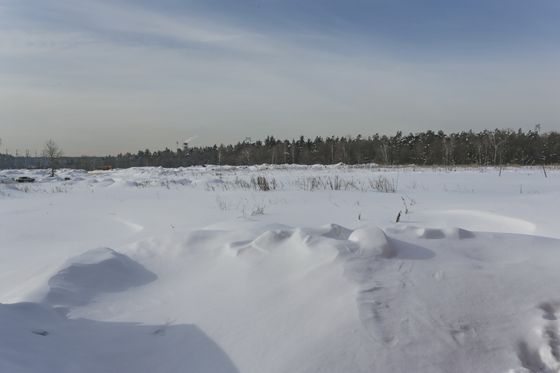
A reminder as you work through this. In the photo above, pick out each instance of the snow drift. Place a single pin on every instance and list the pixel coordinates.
(95, 272)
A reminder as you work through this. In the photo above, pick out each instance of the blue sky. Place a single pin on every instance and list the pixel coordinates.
(109, 76)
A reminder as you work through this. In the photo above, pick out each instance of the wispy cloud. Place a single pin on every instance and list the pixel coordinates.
(151, 77)
(78, 22)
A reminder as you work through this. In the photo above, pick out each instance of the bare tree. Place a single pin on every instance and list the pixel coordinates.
(497, 145)
(385, 151)
(52, 152)
(448, 148)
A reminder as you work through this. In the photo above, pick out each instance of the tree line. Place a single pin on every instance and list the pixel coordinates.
(488, 147)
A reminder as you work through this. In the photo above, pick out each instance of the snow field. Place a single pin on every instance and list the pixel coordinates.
(196, 269)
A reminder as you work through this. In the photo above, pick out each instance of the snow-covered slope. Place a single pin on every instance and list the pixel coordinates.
(198, 270)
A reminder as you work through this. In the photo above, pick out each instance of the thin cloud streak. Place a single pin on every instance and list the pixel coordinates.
(119, 77)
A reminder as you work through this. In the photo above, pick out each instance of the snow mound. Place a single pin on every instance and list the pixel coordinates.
(94, 272)
(372, 241)
(460, 233)
(292, 247)
(269, 241)
(335, 231)
(436, 233)
(431, 233)
(475, 220)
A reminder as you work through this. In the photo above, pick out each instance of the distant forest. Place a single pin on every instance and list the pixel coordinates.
(497, 147)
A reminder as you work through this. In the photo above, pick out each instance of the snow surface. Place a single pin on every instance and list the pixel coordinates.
(196, 270)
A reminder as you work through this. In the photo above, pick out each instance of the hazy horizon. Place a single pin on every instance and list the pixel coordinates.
(108, 77)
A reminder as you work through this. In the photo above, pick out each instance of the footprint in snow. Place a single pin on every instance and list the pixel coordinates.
(544, 357)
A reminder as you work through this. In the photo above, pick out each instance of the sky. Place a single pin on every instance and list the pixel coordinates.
(110, 76)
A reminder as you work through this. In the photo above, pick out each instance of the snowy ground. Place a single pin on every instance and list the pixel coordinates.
(195, 270)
